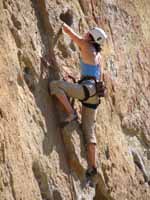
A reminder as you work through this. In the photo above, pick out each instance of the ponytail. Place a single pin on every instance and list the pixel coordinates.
(97, 47)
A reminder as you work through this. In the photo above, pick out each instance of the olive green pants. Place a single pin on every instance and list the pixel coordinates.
(75, 90)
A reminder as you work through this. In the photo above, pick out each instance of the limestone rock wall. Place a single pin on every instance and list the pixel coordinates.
(34, 162)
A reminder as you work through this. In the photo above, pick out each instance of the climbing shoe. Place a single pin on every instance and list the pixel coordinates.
(91, 172)
(91, 176)
(68, 120)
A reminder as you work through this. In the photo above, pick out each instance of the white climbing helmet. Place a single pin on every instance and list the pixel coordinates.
(98, 35)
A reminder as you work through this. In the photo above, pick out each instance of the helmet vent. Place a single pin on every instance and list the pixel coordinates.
(99, 38)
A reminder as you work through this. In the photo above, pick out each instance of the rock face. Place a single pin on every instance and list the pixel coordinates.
(38, 160)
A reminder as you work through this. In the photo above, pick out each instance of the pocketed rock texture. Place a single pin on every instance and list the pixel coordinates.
(40, 161)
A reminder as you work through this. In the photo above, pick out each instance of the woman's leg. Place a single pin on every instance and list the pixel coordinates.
(62, 88)
(91, 155)
(66, 105)
(88, 126)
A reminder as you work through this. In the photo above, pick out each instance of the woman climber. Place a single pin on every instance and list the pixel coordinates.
(88, 90)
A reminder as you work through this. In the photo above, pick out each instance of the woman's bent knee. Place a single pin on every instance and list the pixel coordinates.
(55, 87)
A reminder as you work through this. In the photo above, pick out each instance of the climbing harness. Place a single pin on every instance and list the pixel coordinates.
(100, 88)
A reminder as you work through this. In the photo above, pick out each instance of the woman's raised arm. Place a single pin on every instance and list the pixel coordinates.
(74, 36)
